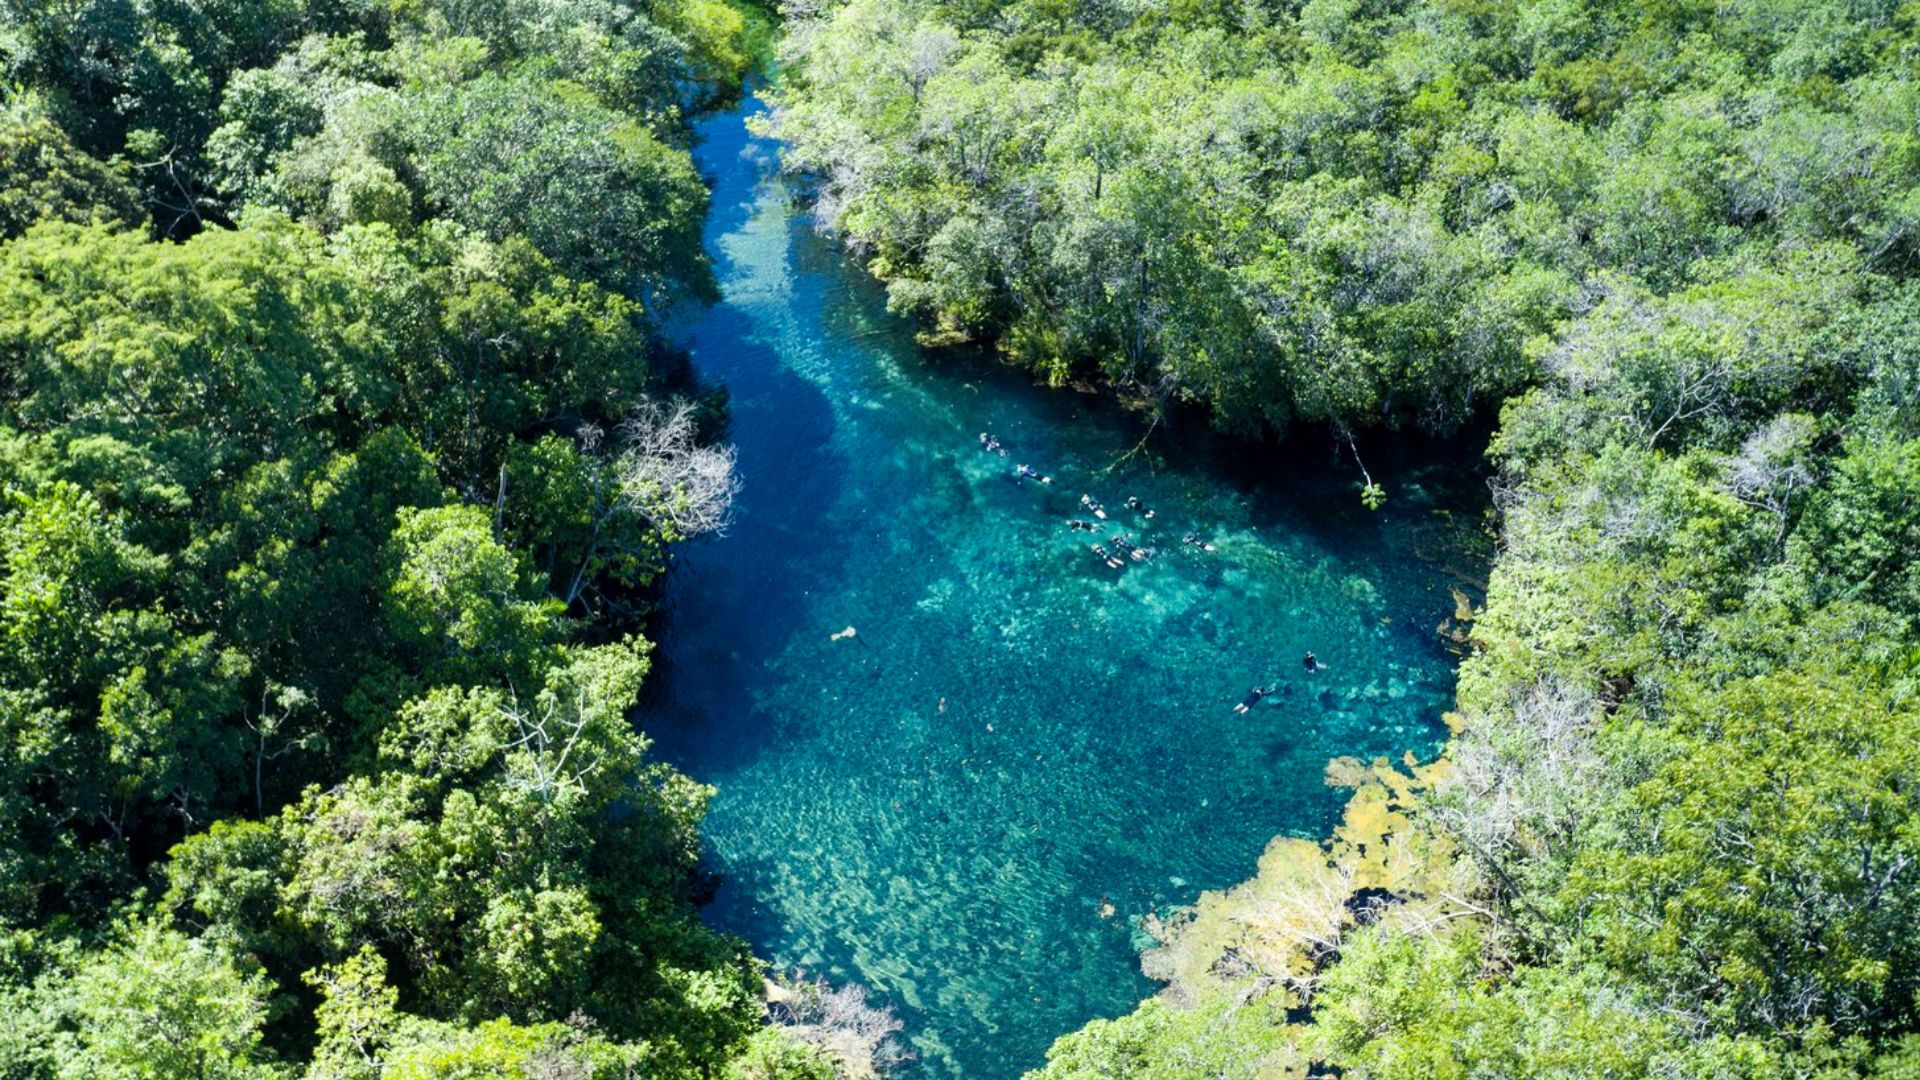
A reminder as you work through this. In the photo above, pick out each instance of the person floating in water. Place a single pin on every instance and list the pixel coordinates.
(1312, 662)
(1134, 504)
(1028, 472)
(1098, 510)
(1106, 556)
(1196, 540)
(1253, 698)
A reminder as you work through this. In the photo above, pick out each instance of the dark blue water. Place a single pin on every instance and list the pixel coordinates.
(941, 805)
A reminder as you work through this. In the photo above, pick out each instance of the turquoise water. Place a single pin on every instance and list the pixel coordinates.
(941, 805)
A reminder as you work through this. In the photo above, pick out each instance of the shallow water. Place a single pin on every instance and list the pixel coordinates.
(941, 805)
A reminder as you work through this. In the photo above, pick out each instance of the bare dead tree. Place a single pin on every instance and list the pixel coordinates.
(928, 50)
(860, 1036)
(1523, 782)
(547, 738)
(280, 708)
(1771, 468)
(1312, 915)
(664, 473)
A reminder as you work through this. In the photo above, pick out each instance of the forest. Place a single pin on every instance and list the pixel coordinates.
(1672, 246)
(337, 454)
(342, 452)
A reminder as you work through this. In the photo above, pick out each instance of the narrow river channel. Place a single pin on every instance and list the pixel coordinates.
(967, 803)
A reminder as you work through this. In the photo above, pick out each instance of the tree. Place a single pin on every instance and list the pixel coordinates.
(157, 1004)
(50, 179)
(461, 597)
(1779, 891)
(271, 630)
(599, 195)
(860, 1038)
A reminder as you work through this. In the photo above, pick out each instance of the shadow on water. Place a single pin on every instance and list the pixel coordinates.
(943, 805)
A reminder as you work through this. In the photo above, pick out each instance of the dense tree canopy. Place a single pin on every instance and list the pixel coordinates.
(1345, 211)
(335, 464)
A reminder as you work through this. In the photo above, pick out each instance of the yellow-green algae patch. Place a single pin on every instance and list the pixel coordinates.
(1261, 944)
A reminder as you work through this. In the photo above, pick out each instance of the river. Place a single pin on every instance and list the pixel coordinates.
(967, 803)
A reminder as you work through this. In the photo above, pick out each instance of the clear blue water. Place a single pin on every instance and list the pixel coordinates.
(939, 806)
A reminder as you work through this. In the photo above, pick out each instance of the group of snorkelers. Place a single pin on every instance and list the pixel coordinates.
(1123, 549)
(1256, 694)
(1123, 546)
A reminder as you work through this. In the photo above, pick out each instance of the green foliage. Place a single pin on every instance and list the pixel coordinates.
(155, 1005)
(319, 580)
(1774, 890)
(1400, 1006)
(773, 1055)
(1219, 1036)
(592, 190)
(1355, 213)
(50, 179)
(458, 596)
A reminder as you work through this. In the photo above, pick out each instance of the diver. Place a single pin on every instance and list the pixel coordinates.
(1253, 698)
(1098, 510)
(1134, 504)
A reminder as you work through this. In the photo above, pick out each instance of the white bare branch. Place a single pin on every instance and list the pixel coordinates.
(666, 475)
(858, 1035)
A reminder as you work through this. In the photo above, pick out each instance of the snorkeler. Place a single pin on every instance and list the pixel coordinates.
(1134, 504)
(1028, 472)
(1098, 510)
(992, 445)
(1195, 540)
(1077, 525)
(1253, 698)
(1141, 554)
(1121, 541)
(1106, 556)
(1312, 662)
